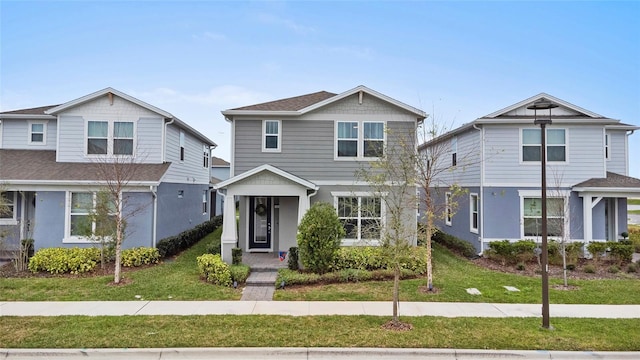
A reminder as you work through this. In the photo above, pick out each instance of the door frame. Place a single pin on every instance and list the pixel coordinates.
(251, 224)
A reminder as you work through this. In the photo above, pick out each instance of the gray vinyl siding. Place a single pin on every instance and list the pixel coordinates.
(149, 139)
(190, 170)
(617, 162)
(467, 170)
(71, 147)
(179, 214)
(15, 134)
(585, 157)
(307, 149)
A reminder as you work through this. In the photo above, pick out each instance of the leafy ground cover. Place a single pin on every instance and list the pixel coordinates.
(325, 331)
(176, 278)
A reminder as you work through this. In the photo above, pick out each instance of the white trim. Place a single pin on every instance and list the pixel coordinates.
(538, 97)
(14, 219)
(30, 132)
(537, 194)
(110, 139)
(278, 135)
(477, 202)
(182, 142)
(555, 163)
(269, 168)
(75, 239)
(359, 195)
(607, 146)
(448, 217)
(359, 140)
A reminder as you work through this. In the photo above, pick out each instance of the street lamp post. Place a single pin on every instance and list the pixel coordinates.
(544, 104)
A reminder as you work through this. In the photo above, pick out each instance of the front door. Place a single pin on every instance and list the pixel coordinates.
(260, 223)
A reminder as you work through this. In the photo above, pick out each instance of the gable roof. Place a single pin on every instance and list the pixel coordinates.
(218, 162)
(300, 105)
(612, 183)
(31, 111)
(40, 167)
(271, 169)
(544, 96)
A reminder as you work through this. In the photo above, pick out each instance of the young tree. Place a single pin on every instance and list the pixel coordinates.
(99, 225)
(392, 179)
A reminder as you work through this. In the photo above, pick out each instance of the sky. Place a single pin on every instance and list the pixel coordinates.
(456, 60)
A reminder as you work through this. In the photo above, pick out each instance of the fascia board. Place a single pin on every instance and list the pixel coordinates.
(27, 117)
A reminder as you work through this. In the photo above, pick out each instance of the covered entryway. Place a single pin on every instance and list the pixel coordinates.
(271, 203)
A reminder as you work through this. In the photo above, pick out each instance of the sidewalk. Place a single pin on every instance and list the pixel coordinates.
(309, 308)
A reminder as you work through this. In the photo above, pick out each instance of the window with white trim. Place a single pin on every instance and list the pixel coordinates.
(555, 141)
(532, 216)
(204, 202)
(454, 151)
(182, 142)
(361, 216)
(86, 215)
(606, 147)
(473, 213)
(359, 140)
(8, 201)
(110, 138)
(271, 139)
(205, 156)
(448, 209)
(37, 132)
(97, 137)
(123, 138)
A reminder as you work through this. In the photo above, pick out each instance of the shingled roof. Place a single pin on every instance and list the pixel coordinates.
(31, 111)
(41, 166)
(216, 161)
(612, 180)
(290, 104)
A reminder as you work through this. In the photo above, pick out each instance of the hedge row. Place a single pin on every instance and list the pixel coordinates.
(374, 258)
(65, 260)
(140, 256)
(292, 277)
(512, 252)
(216, 271)
(174, 244)
(454, 244)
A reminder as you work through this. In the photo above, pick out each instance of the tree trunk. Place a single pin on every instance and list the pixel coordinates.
(116, 271)
(564, 263)
(428, 244)
(396, 292)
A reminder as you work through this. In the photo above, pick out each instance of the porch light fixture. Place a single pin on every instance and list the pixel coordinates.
(544, 104)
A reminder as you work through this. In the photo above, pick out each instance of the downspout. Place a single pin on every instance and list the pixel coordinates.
(481, 197)
(626, 150)
(164, 139)
(154, 229)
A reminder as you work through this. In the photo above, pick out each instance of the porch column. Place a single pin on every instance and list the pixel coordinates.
(303, 206)
(229, 237)
(587, 213)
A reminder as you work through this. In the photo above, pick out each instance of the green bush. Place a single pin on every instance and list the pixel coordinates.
(174, 244)
(374, 258)
(634, 236)
(573, 251)
(65, 260)
(597, 249)
(622, 253)
(346, 275)
(503, 251)
(236, 256)
(631, 268)
(319, 235)
(520, 266)
(523, 250)
(213, 247)
(292, 261)
(214, 270)
(453, 243)
(589, 269)
(140, 256)
(614, 269)
(571, 267)
(240, 273)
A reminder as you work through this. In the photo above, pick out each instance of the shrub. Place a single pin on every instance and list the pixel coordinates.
(374, 258)
(622, 253)
(571, 267)
(503, 251)
(292, 262)
(174, 244)
(520, 266)
(631, 268)
(140, 256)
(597, 249)
(453, 243)
(524, 250)
(214, 270)
(213, 247)
(634, 237)
(65, 260)
(573, 250)
(236, 256)
(240, 273)
(346, 275)
(319, 235)
(589, 269)
(614, 269)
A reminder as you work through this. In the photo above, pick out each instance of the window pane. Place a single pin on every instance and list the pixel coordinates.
(555, 153)
(555, 226)
(122, 147)
(555, 136)
(98, 129)
(555, 207)
(106, 227)
(532, 227)
(80, 225)
(374, 131)
(37, 137)
(533, 207)
(370, 229)
(474, 203)
(475, 220)
(97, 146)
(350, 228)
(6, 200)
(531, 153)
(271, 127)
(347, 206)
(38, 128)
(123, 129)
(373, 148)
(347, 130)
(370, 207)
(531, 136)
(81, 203)
(347, 148)
(271, 142)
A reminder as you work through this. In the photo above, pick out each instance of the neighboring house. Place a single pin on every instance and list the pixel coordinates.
(496, 159)
(49, 157)
(290, 153)
(220, 169)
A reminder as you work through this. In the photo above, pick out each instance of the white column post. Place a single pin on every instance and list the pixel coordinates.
(229, 237)
(587, 212)
(303, 205)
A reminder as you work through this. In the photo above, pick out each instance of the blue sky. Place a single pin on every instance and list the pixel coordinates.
(457, 60)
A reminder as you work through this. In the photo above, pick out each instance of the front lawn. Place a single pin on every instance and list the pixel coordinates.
(453, 275)
(176, 279)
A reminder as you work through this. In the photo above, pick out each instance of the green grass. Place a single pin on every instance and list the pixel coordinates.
(452, 276)
(175, 279)
(315, 331)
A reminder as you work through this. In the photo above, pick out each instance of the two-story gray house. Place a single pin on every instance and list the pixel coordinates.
(49, 179)
(288, 154)
(497, 160)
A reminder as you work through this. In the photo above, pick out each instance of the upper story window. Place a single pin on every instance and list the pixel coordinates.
(205, 156)
(182, 145)
(118, 141)
(37, 132)
(532, 144)
(271, 135)
(454, 151)
(8, 208)
(607, 151)
(358, 140)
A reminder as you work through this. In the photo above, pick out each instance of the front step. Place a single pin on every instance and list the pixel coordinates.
(262, 277)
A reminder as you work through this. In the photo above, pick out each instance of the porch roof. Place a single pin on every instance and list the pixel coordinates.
(613, 183)
(268, 168)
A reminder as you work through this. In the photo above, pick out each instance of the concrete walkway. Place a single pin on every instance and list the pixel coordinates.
(309, 308)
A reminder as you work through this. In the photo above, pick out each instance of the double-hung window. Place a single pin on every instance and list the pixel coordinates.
(182, 144)
(607, 151)
(205, 156)
(122, 138)
(361, 217)
(532, 145)
(532, 216)
(473, 213)
(91, 214)
(110, 138)
(271, 139)
(359, 140)
(448, 209)
(97, 137)
(8, 208)
(37, 132)
(204, 201)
